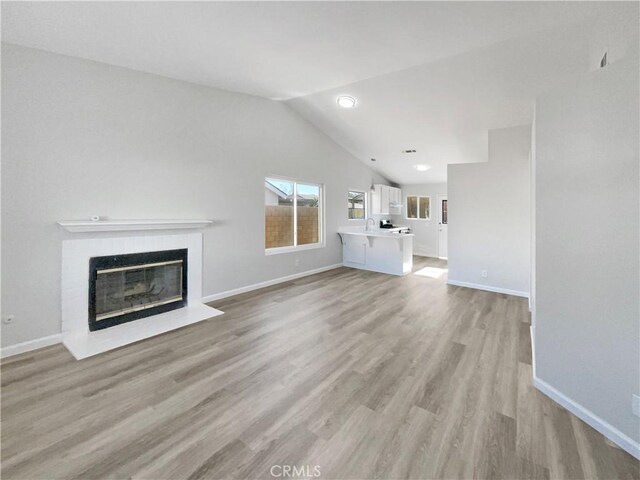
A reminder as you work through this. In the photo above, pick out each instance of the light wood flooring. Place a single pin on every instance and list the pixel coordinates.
(362, 374)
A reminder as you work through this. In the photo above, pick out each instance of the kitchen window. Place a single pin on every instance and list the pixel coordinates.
(356, 206)
(293, 215)
(418, 208)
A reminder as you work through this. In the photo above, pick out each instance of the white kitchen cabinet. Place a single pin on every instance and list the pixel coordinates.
(355, 250)
(380, 200)
(376, 197)
(383, 200)
(395, 201)
(377, 250)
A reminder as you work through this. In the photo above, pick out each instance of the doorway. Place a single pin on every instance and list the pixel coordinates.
(443, 220)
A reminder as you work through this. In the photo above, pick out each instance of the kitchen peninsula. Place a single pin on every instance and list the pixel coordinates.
(377, 250)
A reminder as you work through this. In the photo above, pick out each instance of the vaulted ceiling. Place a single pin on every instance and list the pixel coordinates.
(429, 76)
(444, 110)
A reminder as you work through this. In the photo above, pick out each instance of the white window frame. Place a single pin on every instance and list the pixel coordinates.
(321, 224)
(418, 197)
(366, 204)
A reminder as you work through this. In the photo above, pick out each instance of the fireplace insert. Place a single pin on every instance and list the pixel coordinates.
(128, 287)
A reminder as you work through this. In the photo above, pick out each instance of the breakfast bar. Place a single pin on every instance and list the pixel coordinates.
(377, 250)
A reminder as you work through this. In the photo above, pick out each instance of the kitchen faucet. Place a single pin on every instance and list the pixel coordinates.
(366, 228)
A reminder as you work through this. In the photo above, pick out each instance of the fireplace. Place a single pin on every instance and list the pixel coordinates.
(128, 287)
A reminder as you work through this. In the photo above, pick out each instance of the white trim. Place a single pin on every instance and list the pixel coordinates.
(488, 288)
(532, 333)
(418, 197)
(421, 253)
(57, 338)
(80, 226)
(441, 197)
(366, 204)
(267, 283)
(295, 215)
(321, 218)
(298, 248)
(616, 436)
(372, 269)
(30, 345)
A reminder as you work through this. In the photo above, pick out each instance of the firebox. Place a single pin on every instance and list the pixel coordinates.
(128, 287)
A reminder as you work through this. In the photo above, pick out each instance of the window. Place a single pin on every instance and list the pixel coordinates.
(444, 212)
(418, 208)
(356, 205)
(293, 215)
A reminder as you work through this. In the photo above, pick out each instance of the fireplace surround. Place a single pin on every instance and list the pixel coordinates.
(77, 253)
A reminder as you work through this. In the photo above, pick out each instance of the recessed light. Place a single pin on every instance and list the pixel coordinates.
(346, 101)
(422, 168)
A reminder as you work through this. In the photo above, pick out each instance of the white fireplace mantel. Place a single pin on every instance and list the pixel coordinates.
(83, 226)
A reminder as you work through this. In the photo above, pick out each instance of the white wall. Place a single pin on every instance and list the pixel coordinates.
(532, 233)
(587, 254)
(81, 138)
(425, 242)
(489, 215)
(614, 32)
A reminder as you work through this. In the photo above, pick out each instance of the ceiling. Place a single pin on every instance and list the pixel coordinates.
(274, 49)
(433, 76)
(444, 109)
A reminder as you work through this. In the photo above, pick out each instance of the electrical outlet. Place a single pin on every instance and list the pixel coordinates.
(635, 405)
(484, 274)
(9, 319)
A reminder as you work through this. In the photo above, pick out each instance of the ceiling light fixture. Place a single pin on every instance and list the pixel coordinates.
(346, 101)
(422, 168)
(373, 187)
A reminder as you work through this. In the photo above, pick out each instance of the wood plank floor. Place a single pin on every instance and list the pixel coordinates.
(362, 374)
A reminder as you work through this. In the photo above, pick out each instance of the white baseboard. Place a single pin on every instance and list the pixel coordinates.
(489, 288)
(616, 436)
(532, 333)
(420, 253)
(268, 283)
(30, 345)
(57, 338)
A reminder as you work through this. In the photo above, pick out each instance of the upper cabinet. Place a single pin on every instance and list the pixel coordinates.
(395, 201)
(386, 200)
(380, 200)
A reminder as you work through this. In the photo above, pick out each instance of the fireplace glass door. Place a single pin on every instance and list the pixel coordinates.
(133, 286)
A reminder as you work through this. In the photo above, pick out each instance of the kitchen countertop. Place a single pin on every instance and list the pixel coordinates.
(375, 232)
